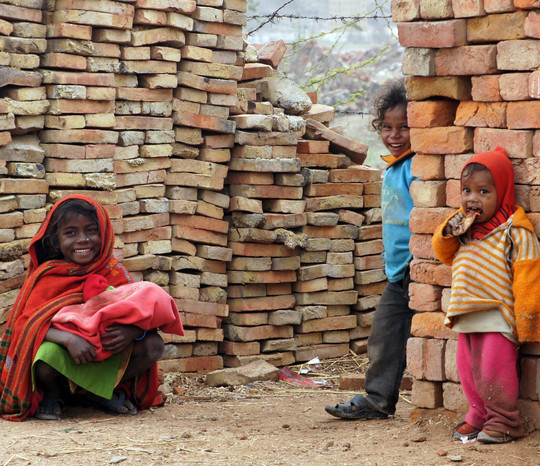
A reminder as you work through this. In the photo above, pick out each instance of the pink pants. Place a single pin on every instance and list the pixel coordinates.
(487, 367)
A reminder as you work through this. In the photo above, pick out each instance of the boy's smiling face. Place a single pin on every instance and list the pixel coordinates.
(395, 130)
(80, 239)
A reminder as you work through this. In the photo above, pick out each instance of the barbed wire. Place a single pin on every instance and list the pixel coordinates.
(352, 112)
(320, 18)
(270, 18)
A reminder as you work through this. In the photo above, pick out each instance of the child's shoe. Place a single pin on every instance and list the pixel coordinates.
(492, 436)
(465, 430)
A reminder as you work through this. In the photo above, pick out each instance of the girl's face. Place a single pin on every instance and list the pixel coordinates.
(395, 130)
(478, 194)
(80, 239)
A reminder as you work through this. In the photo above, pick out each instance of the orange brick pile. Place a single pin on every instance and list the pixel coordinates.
(472, 83)
(252, 223)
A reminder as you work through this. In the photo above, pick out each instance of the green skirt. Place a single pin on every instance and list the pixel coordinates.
(98, 377)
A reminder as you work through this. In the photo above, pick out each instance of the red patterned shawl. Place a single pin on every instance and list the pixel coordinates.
(47, 288)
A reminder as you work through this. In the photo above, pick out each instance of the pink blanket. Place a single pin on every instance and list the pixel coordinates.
(143, 304)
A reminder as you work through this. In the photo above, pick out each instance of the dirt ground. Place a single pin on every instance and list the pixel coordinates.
(263, 423)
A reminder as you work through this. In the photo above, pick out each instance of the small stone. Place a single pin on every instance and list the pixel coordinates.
(455, 458)
(442, 453)
(421, 438)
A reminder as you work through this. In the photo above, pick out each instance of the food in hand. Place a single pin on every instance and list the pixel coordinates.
(466, 223)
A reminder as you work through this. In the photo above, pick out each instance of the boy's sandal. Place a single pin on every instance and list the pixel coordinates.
(356, 408)
(492, 436)
(464, 429)
(118, 404)
(54, 410)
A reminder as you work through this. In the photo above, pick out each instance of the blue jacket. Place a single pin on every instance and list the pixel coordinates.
(396, 204)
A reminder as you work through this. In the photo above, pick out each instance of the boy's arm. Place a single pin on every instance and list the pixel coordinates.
(444, 247)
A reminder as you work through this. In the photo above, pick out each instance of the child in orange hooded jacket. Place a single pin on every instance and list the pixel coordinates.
(495, 298)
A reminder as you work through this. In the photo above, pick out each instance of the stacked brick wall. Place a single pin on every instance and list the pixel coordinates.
(257, 229)
(472, 83)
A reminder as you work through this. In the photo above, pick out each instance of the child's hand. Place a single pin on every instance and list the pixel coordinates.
(81, 350)
(119, 337)
(452, 228)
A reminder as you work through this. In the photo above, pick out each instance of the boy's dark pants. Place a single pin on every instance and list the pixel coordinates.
(387, 345)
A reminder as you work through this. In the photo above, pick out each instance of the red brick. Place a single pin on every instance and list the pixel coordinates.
(194, 364)
(486, 88)
(405, 10)
(261, 250)
(250, 178)
(499, 6)
(532, 25)
(204, 308)
(454, 164)
(450, 364)
(204, 223)
(534, 84)
(428, 167)
(434, 352)
(483, 114)
(428, 193)
(430, 325)
(452, 87)
(425, 297)
(421, 247)
(17, 13)
(240, 348)
(326, 324)
(454, 398)
(527, 4)
(523, 115)
(436, 34)
(466, 60)
(415, 357)
(354, 174)
(272, 53)
(352, 382)
(198, 235)
(262, 303)
(427, 394)
(453, 193)
(426, 221)
(333, 232)
(323, 351)
(514, 86)
(63, 60)
(493, 28)
(429, 113)
(519, 55)
(313, 147)
(256, 71)
(518, 143)
(271, 276)
(200, 320)
(205, 122)
(431, 272)
(73, 31)
(468, 8)
(444, 140)
(261, 332)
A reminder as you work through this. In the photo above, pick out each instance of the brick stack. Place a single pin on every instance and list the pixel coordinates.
(472, 84)
(326, 289)
(23, 104)
(205, 91)
(266, 207)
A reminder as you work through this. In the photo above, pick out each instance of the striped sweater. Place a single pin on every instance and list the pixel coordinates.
(499, 272)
